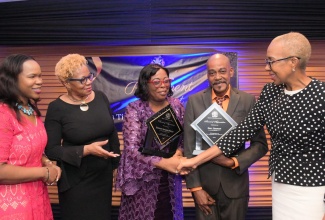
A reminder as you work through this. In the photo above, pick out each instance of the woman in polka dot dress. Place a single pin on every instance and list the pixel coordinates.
(293, 110)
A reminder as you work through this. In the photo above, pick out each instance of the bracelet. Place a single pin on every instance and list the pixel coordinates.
(195, 189)
(48, 174)
(236, 163)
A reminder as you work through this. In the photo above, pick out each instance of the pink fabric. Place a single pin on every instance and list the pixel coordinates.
(22, 144)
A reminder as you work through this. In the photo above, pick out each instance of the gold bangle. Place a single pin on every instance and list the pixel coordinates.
(48, 174)
(195, 189)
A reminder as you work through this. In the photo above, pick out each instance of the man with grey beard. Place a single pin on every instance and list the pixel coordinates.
(220, 187)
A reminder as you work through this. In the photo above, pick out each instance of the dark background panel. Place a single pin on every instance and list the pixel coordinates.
(152, 22)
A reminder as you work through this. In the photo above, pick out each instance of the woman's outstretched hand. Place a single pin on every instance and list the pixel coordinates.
(188, 165)
(96, 149)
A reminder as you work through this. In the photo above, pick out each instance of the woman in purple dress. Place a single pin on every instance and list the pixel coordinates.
(148, 190)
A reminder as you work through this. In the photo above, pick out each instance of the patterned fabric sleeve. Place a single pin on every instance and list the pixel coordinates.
(6, 135)
(135, 169)
(246, 129)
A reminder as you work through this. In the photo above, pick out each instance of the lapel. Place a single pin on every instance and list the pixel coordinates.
(233, 102)
(207, 98)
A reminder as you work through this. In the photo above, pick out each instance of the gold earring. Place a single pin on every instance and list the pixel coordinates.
(293, 70)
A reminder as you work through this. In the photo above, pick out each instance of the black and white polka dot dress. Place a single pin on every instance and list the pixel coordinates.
(296, 124)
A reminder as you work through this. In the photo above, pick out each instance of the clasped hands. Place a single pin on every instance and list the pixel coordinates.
(183, 166)
(174, 164)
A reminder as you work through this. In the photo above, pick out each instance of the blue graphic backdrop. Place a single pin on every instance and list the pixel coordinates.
(117, 76)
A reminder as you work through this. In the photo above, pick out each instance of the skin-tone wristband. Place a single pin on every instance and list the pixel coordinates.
(195, 189)
(236, 163)
(47, 161)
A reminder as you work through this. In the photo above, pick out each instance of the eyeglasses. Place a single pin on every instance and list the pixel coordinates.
(270, 62)
(157, 82)
(83, 80)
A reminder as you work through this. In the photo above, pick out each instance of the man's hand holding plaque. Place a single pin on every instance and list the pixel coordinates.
(212, 125)
(163, 128)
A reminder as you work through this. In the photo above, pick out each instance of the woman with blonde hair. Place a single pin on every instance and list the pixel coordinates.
(84, 142)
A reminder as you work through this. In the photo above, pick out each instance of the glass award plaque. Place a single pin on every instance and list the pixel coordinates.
(164, 128)
(212, 125)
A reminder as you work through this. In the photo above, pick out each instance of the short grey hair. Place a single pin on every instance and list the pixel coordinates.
(297, 45)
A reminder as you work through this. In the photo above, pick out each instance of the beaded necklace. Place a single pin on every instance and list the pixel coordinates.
(28, 111)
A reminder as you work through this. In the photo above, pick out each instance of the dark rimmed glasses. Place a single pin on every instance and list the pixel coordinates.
(158, 82)
(270, 62)
(83, 80)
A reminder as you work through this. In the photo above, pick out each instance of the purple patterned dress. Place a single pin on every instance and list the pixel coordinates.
(138, 179)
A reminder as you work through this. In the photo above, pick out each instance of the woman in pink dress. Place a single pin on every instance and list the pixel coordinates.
(23, 168)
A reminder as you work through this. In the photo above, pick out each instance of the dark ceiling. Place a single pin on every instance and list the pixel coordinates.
(154, 22)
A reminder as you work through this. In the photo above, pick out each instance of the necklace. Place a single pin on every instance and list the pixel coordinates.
(28, 111)
(83, 105)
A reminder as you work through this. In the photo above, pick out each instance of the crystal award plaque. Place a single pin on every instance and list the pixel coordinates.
(212, 125)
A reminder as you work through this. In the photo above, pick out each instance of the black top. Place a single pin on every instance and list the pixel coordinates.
(297, 127)
(77, 128)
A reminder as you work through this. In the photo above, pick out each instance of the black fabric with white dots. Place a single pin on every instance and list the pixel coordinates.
(296, 124)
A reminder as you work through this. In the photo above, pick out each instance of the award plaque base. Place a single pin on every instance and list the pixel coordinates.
(197, 152)
(157, 153)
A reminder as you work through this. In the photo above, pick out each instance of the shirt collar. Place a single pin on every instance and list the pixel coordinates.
(213, 95)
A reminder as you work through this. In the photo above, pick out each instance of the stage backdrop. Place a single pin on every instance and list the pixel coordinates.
(117, 76)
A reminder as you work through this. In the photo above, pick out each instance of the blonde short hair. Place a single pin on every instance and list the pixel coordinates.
(69, 65)
(297, 45)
